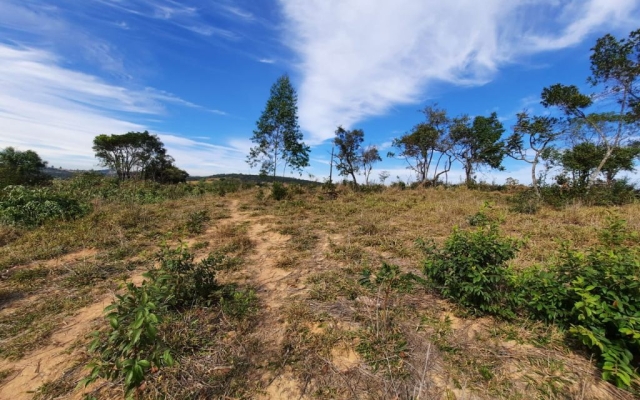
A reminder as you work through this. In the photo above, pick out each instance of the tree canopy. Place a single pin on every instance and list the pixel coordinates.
(277, 136)
(477, 144)
(21, 168)
(349, 143)
(136, 154)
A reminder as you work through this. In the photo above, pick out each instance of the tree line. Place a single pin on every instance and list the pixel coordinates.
(589, 145)
(133, 155)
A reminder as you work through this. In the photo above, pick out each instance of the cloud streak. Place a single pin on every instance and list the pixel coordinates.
(57, 112)
(358, 59)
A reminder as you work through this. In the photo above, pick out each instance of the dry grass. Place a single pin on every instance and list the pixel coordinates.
(313, 331)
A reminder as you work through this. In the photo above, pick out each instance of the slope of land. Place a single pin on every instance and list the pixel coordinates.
(314, 330)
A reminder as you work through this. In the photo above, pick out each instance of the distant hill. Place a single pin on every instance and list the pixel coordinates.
(69, 173)
(256, 178)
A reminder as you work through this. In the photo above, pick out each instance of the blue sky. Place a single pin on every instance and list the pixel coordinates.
(198, 73)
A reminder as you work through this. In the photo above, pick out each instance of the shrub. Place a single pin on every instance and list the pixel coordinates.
(595, 295)
(389, 277)
(196, 221)
(471, 270)
(133, 346)
(278, 191)
(31, 207)
(525, 202)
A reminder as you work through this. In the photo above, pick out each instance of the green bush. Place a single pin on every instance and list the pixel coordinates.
(471, 269)
(132, 346)
(595, 295)
(22, 206)
(196, 221)
(278, 191)
(525, 202)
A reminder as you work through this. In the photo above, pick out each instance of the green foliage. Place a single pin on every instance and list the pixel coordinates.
(428, 143)
(278, 191)
(239, 304)
(525, 202)
(471, 269)
(595, 294)
(183, 281)
(348, 143)
(133, 344)
(21, 168)
(30, 207)
(477, 143)
(196, 221)
(277, 135)
(389, 277)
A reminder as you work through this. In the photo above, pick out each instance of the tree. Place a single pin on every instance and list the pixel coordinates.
(368, 158)
(348, 144)
(277, 135)
(476, 144)
(21, 168)
(582, 159)
(426, 141)
(615, 67)
(137, 154)
(540, 133)
(161, 169)
(128, 154)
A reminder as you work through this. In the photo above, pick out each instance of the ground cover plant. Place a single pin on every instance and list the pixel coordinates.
(311, 296)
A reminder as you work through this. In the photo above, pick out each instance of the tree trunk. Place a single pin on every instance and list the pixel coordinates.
(534, 179)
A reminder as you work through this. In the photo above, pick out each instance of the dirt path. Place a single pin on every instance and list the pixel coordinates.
(276, 288)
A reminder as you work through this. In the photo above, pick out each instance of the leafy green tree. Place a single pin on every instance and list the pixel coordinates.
(477, 144)
(278, 137)
(162, 169)
(426, 141)
(584, 158)
(349, 143)
(539, 133)
(128, 154)
(21, 168)
(368, 158)
(137, 154)
(615, 67)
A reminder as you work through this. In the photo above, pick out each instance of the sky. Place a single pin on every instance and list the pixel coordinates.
(198, 73)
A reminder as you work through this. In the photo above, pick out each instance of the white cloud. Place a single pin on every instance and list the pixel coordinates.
(267, 60)
(57, 112)
(359, 58)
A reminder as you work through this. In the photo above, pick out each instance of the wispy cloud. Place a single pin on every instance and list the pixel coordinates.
(237, 12)
(267, 60)
(358, 59)
(57, 111)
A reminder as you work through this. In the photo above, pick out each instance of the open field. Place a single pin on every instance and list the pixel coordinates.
(300, 314)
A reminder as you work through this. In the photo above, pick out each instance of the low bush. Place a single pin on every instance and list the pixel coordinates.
(30, 207)
(278, 191)
(471, 269)
(594, 294)
(133, 345)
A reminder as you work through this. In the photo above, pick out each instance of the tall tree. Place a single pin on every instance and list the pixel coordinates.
(582, 159)
(615, 67)
(21, 168)
(539, 133)
(368, 157)
(477, 144)
(427, 142)
(131, 154)
(277, 136)
(348, 143)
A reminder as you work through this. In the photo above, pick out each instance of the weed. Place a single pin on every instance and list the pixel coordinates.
(196, 221)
